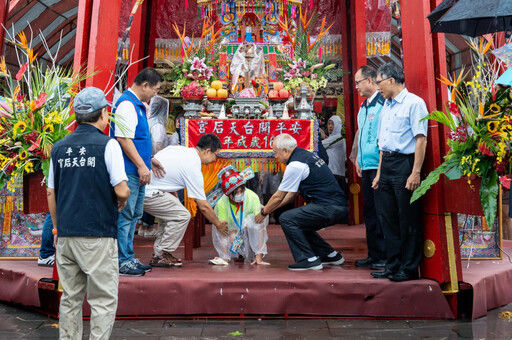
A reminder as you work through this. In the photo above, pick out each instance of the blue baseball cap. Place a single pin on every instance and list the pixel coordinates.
(89, 100)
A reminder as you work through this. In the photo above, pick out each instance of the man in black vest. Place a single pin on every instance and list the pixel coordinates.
(326, 205)
(86, 189)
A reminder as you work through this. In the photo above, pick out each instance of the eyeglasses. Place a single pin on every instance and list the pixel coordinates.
(380, 81)
(357, 82)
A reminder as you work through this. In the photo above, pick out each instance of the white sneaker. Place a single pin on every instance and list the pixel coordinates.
(150, 233)
(217, 261)
(47, 262)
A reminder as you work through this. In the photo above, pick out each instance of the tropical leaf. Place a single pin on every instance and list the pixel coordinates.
(432, 178)
(489, 196)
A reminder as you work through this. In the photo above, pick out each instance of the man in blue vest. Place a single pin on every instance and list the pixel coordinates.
(367, 164)
(132, 133)
(86, 189)
(326, 205)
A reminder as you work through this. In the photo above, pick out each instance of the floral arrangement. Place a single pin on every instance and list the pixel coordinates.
(35, 112)
(479, 118)
(195, 66)
(304, 65)
(302, 71)
(194, 70)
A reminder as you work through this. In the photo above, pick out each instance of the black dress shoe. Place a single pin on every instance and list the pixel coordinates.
(367, 262)
(382, 275)
(401, 276)
(378, 265)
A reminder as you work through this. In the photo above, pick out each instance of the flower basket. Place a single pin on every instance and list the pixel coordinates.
(34, 193)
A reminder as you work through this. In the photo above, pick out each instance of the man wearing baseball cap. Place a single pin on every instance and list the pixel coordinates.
(86, 189)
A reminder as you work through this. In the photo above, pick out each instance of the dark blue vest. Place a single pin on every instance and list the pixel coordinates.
(86, 201)
(142, 138)
(320, 187)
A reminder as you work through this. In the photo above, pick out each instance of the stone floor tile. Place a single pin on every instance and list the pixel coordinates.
(368, 323)
(221, 331)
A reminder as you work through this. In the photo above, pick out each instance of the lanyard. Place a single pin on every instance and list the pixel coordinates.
(239, 225)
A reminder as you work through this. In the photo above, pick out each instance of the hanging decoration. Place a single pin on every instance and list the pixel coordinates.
(378, 28)
(209, 8)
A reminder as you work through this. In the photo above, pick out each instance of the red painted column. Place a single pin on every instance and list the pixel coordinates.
(424, 60)
(137, 41)
(104, 31)
(96, 40)
(354, 56)
(82, 35)
(4, 14)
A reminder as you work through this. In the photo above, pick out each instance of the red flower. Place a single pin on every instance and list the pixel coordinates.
(484, 150)
(22, 70)
(505, 181)
(454, 110)
(35, 145)
(40, 100)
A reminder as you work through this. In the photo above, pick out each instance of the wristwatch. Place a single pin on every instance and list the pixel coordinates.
(262, 212)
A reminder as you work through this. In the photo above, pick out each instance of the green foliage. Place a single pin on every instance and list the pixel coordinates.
(489, 196)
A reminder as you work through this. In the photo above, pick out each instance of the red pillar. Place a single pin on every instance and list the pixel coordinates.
(4, 14)
(353, 34)
(138, 40)
(424, 60)
(96, 40)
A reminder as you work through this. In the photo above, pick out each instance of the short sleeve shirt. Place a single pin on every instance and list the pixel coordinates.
(113, 161)
(295, 173)
(183, 171)
(400, 123)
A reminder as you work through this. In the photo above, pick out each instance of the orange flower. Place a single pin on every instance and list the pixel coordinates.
(23, 40)
(3, 68)
(31, 56)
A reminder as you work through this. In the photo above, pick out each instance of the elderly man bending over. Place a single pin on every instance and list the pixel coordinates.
(326, 205)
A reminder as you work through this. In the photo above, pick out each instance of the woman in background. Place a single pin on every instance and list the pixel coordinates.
(335, 146)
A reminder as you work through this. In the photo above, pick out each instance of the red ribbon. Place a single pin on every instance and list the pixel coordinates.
(186, 4)
(311, 4)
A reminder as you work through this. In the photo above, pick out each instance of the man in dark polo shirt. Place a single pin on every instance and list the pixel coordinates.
(86, 189)
(326, 205)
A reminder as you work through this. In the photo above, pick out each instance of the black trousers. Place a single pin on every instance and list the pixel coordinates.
(401, 221)
(374, 235)
(300, 227)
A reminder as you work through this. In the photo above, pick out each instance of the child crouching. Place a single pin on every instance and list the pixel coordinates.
(239, 206)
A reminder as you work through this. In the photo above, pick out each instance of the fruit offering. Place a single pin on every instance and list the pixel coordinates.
(278, 86)
(216, 91)
(192, 90)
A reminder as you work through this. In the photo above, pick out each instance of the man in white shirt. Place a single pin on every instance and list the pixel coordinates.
(183, 172)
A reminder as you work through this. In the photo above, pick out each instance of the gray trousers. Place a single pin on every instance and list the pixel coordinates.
(87, 264)
(173, 220)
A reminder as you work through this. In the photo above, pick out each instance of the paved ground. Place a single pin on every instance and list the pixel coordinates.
(19, 323)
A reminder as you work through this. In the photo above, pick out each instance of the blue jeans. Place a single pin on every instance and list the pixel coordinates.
(300, 227)
(128, 219)
(47, 247)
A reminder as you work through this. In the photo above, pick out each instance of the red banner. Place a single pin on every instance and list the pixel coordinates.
(251, 138)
